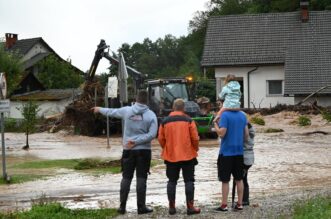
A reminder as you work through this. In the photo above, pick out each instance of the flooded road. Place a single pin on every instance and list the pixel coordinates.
(284, 162)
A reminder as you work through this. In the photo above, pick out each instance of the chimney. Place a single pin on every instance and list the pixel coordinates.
(11, 39)
(304, 10)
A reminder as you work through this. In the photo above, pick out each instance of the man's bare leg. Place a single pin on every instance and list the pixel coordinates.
(225, 193)
(240, 190)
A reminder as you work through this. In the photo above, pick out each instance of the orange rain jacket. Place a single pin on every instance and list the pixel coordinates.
(178, 136)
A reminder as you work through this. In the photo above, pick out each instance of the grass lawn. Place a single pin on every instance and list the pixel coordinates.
(33, 170)
(56, 211)
(21, 178)
(319, 207)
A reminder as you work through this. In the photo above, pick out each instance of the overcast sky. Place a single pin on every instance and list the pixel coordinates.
(74, 27)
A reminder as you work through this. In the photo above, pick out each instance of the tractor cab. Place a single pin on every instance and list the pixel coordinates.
(163, 92)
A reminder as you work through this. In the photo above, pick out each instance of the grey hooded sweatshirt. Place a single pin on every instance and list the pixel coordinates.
(249, 147)
(140, 124)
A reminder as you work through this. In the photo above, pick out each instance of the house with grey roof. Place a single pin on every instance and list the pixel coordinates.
(278, 58)
(32, 51)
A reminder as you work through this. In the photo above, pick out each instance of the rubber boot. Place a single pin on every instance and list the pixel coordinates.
(141, 196)
(172, 207)
(171, 191)
(191, 209)
(189, 192)
(124, 193)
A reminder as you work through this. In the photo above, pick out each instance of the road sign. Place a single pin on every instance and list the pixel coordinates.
(4, 106)
(3, 86)
(112, 87)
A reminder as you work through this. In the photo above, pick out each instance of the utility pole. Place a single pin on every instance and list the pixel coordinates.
(4, 107)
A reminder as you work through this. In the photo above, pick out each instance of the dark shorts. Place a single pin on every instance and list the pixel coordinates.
(230, 165)
(139, 160)
(187, 167)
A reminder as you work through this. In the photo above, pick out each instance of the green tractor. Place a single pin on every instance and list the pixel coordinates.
(162, 93)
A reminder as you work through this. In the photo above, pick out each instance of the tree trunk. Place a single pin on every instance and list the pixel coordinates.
(26, 147)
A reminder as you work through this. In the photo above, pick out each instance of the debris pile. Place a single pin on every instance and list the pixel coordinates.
(79, 113)
(302, 109)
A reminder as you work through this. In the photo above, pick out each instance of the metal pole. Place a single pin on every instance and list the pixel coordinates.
(122, 120)
(4, 173)
(95, 96)
(106, 105)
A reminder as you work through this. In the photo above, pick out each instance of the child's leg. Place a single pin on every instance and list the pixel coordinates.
(219, 114)
(232, 109)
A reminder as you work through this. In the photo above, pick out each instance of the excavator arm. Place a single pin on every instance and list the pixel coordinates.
(100, 53)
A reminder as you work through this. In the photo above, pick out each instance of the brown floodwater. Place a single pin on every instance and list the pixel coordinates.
(283, 163)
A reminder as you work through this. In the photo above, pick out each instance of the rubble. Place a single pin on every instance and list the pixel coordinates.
(302, 109)
(79, 113)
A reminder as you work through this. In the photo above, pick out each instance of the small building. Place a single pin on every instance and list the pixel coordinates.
(51, 101)
(278, 58)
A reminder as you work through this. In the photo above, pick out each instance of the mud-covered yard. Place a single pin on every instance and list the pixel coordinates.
(289, 165)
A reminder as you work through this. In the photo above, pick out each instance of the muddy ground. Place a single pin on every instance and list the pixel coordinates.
(290, 165)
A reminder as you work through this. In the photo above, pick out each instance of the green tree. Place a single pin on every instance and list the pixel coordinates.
(56, 74)
(103, 78)
(206, 88)
(11, 65)
(29, 112)
(320, 4)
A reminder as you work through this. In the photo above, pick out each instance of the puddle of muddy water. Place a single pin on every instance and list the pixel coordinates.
(283, 162)
(56, 146)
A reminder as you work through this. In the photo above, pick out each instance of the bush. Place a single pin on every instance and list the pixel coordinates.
(273, 130)
(304, 121)
(326, 115)
(87, 164)
(13, 125)
(90, 163)
(257, 120)
(10, 124)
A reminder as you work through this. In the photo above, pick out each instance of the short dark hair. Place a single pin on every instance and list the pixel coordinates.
(142, 97)
(178, 105)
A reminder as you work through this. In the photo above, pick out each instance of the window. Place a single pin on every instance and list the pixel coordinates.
(275, 87)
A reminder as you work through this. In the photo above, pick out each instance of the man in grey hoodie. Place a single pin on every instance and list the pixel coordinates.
(140, 127)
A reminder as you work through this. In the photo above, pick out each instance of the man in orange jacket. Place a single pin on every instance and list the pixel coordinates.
(179, 139)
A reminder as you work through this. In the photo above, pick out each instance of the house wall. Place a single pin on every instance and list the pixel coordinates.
(46, 108)
(36, 49)
(258, 84)
(321, 101)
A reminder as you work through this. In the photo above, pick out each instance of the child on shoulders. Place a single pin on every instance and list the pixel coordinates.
(230, 95)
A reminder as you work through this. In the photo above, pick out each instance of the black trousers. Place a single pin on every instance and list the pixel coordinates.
(139, 160)
(246, 186)
(173, 170)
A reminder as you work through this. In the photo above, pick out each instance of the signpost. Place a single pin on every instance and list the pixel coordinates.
(4, 107)
(106, 105)
(110, 92)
